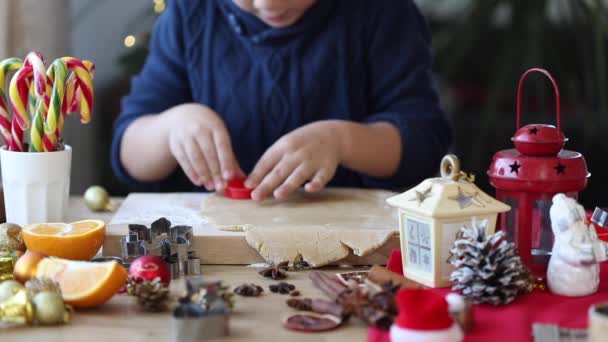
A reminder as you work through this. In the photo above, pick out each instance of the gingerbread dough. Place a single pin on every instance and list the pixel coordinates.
(323, 227)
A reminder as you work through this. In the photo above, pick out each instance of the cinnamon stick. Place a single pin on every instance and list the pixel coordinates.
(381, 275)
(327, 283)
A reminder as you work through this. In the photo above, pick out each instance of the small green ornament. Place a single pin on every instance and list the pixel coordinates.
(9, 288)
(50, 308)
(97, 198)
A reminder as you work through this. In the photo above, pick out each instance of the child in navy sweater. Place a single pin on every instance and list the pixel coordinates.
(291, 93)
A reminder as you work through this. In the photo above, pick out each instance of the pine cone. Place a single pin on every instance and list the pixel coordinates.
(152, 295)
(488, 269)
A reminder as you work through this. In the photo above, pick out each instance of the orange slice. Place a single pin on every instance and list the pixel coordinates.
(76, 241)
(82, 283)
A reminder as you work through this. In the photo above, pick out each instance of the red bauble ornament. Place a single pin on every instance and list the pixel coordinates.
(149, 267)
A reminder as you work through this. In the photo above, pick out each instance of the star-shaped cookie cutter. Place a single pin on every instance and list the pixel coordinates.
(173, 244)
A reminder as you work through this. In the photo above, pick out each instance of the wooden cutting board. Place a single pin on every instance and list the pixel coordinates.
(352, 208)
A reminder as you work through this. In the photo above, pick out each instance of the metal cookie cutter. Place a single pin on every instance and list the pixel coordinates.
(600, 217)
(193, 321)
(173, 244)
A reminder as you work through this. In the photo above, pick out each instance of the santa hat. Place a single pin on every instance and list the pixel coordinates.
(423, 317)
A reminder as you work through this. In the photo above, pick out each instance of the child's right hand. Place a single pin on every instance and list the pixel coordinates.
(199, 141)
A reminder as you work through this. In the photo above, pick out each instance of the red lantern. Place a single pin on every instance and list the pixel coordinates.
(527, 177)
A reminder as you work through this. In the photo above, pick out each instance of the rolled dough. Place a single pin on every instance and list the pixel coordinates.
(323, 227)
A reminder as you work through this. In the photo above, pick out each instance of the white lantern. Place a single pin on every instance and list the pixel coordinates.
(431, 215)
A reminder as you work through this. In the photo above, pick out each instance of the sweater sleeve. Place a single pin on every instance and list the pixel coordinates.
(402, 91)
(162, 84)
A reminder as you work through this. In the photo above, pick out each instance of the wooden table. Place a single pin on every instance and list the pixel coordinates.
(120, 319)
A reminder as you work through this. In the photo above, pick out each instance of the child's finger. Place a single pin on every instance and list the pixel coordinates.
(228, 163)
(262, 168)
(182, 159)
(197, 162)
(319, 180)
(207, 145)
(275, 178)
(294, 181)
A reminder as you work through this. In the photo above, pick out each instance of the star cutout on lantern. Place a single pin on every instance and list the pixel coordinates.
(560, 168)
(533, 130)
(515, 167)
(422, 195)
(466, 200)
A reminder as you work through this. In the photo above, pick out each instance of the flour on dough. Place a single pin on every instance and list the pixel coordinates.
(323, 227)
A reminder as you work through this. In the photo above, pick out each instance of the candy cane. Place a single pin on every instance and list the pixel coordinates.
(37, 141)
(6, 66)
(85, 93)
(58, 74)
(18, 91)
(36, 61)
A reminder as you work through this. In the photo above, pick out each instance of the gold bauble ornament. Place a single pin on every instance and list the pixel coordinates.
(17, 309)
(97, 198)
(10, 238)
(9, 288)
(49, 308)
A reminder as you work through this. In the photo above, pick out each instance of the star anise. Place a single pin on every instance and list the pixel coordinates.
(356, 301)
(278, 271)
(385, 299)
(299, 263)
(282, 288)
(249, 290)
(353, 299)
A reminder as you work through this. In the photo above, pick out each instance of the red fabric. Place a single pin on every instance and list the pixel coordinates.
(513, 322)
(430, 307)
(394, 262)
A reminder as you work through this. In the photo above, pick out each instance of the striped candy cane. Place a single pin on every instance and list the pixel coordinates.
(57, 72)
(36, 61)
(37, 143)
(6, 66)
(83, 92)
(18, 91)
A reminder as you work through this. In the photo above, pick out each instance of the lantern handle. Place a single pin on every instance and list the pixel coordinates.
(450, 167)
(555, 89)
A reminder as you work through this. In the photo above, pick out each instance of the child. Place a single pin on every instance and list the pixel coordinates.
(290, 92)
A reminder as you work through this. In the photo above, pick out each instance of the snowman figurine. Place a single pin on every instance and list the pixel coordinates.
(573, 268)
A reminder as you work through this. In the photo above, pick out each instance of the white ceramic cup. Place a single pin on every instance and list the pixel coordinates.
(36, 185)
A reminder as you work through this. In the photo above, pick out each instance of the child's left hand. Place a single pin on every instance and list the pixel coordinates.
(309, 154)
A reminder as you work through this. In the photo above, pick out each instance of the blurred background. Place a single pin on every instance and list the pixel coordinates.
(481, 49)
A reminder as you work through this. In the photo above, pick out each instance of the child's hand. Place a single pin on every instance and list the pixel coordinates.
(309, 154)
(200, 143)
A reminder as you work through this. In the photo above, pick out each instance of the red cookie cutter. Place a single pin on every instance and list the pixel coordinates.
(236, 189)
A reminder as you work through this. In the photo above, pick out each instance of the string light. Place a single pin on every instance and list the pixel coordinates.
(159, 6)
(130, 40)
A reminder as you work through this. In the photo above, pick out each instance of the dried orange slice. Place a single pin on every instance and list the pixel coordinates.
(76, 241)
(82, 283)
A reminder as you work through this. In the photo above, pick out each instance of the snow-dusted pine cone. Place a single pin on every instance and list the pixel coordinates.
(488, 268)
(151, 295)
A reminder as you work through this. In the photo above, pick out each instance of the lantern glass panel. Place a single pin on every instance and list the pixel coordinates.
(542, 235)
(510, 220)
(419, 244)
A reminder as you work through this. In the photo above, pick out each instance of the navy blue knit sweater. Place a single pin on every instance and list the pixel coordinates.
(358, 60)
